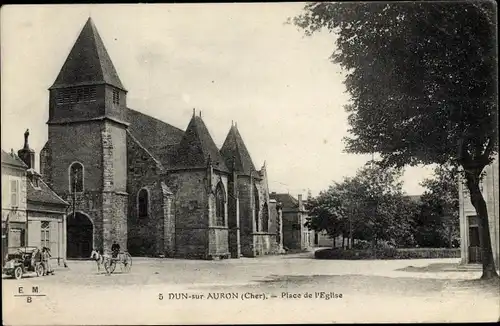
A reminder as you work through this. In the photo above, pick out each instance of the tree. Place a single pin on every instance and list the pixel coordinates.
(369, 206)
(326, 213)
(438, 221)
(422, 79)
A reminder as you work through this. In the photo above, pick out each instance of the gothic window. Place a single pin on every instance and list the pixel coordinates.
(116, 96)
(256, 209)
(142, 203)
(265, 218)
(220, 205)
(76, 177)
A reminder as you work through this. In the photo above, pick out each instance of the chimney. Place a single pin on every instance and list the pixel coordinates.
(300, 201)
(26, 153)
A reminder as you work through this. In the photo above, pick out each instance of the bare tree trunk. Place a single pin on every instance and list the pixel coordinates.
(343, 241)
(473, 179)
(334, 242)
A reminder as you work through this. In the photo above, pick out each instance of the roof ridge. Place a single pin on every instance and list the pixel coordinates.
(154, 118)
(197, 146)
(158, 163)
(80, 67)
(52, 191)
(234, 146)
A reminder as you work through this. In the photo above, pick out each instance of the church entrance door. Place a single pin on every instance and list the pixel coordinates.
(80, 233)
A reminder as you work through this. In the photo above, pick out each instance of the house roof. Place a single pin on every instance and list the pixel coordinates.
(12, 159)
(42, 193)
(197, 147)
(288, 202)
(236, 153)
(88, 62)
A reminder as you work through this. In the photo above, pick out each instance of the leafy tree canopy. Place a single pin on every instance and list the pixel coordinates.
(423, 83)
(421, 76)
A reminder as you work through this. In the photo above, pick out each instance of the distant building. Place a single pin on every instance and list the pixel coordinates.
(32, 214)
(295, 234)
(470, 223)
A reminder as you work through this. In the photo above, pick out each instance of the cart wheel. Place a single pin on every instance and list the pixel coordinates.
(18, 273)
(127, 263)
(39, 270)
(110, 266)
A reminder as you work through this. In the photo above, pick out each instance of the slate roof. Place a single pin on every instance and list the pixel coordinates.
(160, 138)
(196, 147)
(288, 202)
(42, 193)
(236, 153)
(12, 159)
(88, 62)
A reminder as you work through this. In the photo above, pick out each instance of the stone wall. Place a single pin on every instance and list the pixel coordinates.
(144, 172)
(218, 237)
(190, 212)
(90, 204)
(490, 191)
(76, 142)
(233, 218)
(116, 111)
(114, 207)
(291, 230)
(247, 224)
(168, 221)
(46, 164)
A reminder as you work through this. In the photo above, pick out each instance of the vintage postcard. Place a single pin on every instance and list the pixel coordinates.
(249, 163)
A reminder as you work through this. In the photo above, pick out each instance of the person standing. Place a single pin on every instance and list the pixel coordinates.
(46, 260)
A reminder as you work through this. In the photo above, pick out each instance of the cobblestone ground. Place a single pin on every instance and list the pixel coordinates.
(279, 289)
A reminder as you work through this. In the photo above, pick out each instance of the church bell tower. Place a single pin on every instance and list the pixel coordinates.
(86, 149)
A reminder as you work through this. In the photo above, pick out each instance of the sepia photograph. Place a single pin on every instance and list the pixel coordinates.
(250, 163)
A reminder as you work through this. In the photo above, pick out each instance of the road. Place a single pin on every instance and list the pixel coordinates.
(274, 289)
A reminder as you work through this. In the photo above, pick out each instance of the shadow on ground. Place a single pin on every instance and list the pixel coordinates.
(441, 267)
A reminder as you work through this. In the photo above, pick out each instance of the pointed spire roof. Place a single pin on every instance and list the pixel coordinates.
(88, 63)
(197, 148)
(236, 153)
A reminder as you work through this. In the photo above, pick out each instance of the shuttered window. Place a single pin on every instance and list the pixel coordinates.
(45, 236)
(14, 193)
(76, 95)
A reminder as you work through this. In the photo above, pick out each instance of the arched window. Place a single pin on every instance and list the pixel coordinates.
(220, 205)
(265, 218)
(256, 208)
(142, 203)
(76, 177)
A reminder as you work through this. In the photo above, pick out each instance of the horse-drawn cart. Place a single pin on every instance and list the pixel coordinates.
(122, 258)
(25, 260)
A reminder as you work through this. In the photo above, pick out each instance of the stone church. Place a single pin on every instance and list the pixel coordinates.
(155, 189)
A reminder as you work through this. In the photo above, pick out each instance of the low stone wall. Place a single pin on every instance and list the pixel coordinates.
(388, 253)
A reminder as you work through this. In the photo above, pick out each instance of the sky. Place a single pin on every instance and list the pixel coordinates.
(232, 62)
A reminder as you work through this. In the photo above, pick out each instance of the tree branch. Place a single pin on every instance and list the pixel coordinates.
(485, 157)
